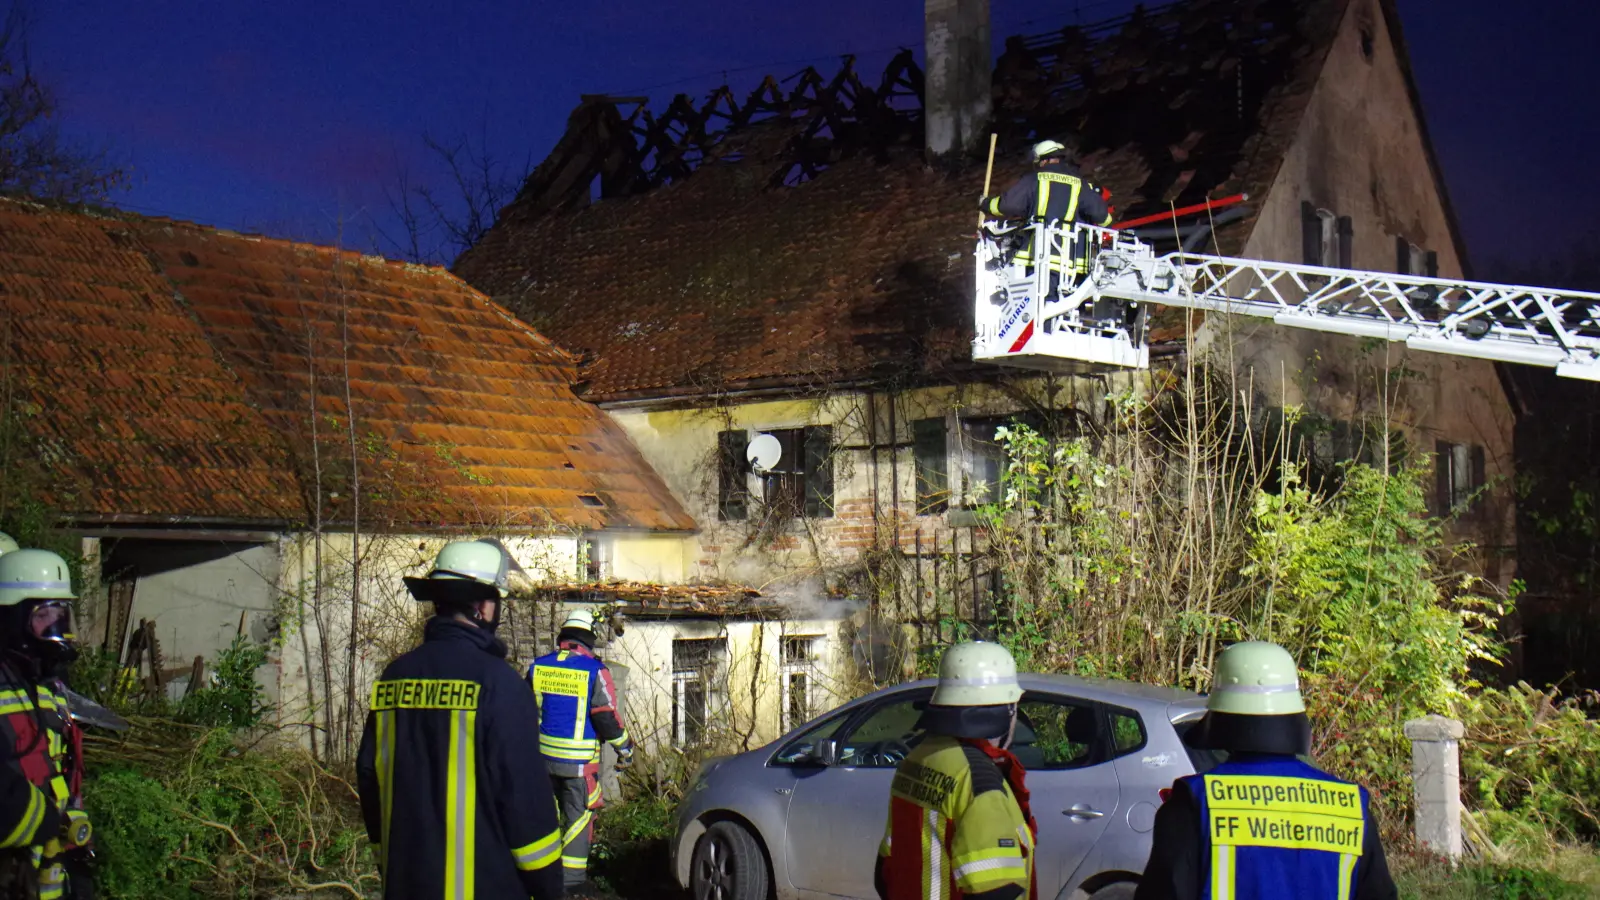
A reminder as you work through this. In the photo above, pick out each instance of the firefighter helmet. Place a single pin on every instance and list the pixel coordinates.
(7, 543)
(36, 595)
(464, 572)
(580, 618)
(1047, 149)
(1255, 678)
(34, 575)
(977, 673)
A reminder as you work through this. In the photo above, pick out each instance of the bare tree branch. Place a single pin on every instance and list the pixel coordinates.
(437, 222)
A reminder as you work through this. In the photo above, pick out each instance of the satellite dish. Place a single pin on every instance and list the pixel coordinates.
(764, 453)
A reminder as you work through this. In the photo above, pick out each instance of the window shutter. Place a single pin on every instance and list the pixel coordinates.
(733, 483)
(1347, 234)
(929, 445)
(1310, 234)
(1402, 256)
(1431, 264)
(1441, 477)
(819, 471)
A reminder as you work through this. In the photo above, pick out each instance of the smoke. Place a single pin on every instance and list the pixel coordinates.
(808, 599)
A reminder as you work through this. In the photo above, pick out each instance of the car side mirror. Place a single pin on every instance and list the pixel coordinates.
(826, 753)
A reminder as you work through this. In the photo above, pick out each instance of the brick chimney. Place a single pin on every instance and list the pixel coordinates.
(956, 99)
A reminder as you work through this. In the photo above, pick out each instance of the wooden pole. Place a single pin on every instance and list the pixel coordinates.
(988, 174)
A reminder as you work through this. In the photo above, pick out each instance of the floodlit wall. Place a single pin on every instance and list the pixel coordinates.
(1360, 153)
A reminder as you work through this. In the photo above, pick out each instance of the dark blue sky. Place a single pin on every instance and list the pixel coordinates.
(290, 117)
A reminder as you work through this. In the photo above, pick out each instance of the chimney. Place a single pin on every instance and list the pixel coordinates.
(959, 68)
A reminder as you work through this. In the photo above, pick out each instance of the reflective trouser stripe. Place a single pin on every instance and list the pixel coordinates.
(933, 850)
(1347, 871)
(52, 882)
(23, 833)
(460, 812)
(538, 854)
(1221, 872)
(385, 742)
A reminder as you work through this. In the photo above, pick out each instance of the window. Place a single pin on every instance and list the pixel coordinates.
(1127, 732)
(594, 564)
(1327, 239)
(1413, 260)
(696, 687)
(733, 476)
(799, 680)
(1459, 471)
(1058, 733)
(887, 735)
(930, 445)
(802, 749)
(800, 484)
(984, 456)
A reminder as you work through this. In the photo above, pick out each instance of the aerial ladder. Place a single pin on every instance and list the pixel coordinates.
(1095, 312)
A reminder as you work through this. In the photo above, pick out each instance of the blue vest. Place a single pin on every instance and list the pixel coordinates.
(1278, 829)
(564, 682)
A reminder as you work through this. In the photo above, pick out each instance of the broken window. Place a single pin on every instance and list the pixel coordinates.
(1327, 239)
(984, 457)
(930, 446)
(1460, 478)
(801, 484)
(696, 687)
(799, 680)
(1413, 260)
(733, 476)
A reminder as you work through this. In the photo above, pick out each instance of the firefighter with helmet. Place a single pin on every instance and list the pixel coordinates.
(1059, 192)
(577, 710)
(451, 796)
(44, 832)
(959, 824)
(1264, 824)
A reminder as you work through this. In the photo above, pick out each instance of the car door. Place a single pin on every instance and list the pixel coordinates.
(1064, 744)
(837, 814)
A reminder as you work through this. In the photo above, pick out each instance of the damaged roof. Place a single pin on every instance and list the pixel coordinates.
(801, 239)
(168, 372)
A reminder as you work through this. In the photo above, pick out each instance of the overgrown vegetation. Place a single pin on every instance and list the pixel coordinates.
(198, 801)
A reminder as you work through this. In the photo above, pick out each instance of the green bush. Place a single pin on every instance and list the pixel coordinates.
(632, 853)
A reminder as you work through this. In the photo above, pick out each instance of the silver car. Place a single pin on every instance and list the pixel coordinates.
(803, 816)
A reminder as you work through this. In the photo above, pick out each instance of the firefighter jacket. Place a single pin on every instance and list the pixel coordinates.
(1266, 826)
(577, 708)
(1057, 192)
(455, 803)
(40, 817)
(956, 828)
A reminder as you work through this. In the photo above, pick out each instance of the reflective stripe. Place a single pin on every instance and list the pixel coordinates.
(460, 813)
(540, 853)
(935, 851)
(23, 833)
(1012, 864)
(620, 739)
(574, 862)
(1221, 872)
(576, 828)
(1347, 870)
(385, 741)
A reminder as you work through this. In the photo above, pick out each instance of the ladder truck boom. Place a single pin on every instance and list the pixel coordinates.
(1094, 309)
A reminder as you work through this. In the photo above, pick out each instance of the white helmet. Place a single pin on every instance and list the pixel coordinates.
(1255, 678)
(462, 564)
(977, 673)
(580, 618)
(7, 543)
(34, 575)
(1047, 149)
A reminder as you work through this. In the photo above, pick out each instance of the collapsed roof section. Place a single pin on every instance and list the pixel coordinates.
(666, 249)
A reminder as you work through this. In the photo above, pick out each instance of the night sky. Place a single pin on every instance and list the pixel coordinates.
(291, 117)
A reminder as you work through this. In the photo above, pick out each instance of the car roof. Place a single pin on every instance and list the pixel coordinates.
(1145, 697)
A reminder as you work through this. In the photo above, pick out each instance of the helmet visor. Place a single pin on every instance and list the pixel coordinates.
(51, 621)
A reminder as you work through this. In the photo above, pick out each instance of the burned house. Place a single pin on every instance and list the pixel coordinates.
(258, 437)
(797, 262)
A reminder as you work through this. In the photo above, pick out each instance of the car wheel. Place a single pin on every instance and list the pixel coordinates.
(728, 865)
(1122, 890)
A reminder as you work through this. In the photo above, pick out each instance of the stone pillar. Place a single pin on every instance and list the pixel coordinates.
(957, 99)
(1436, 780)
